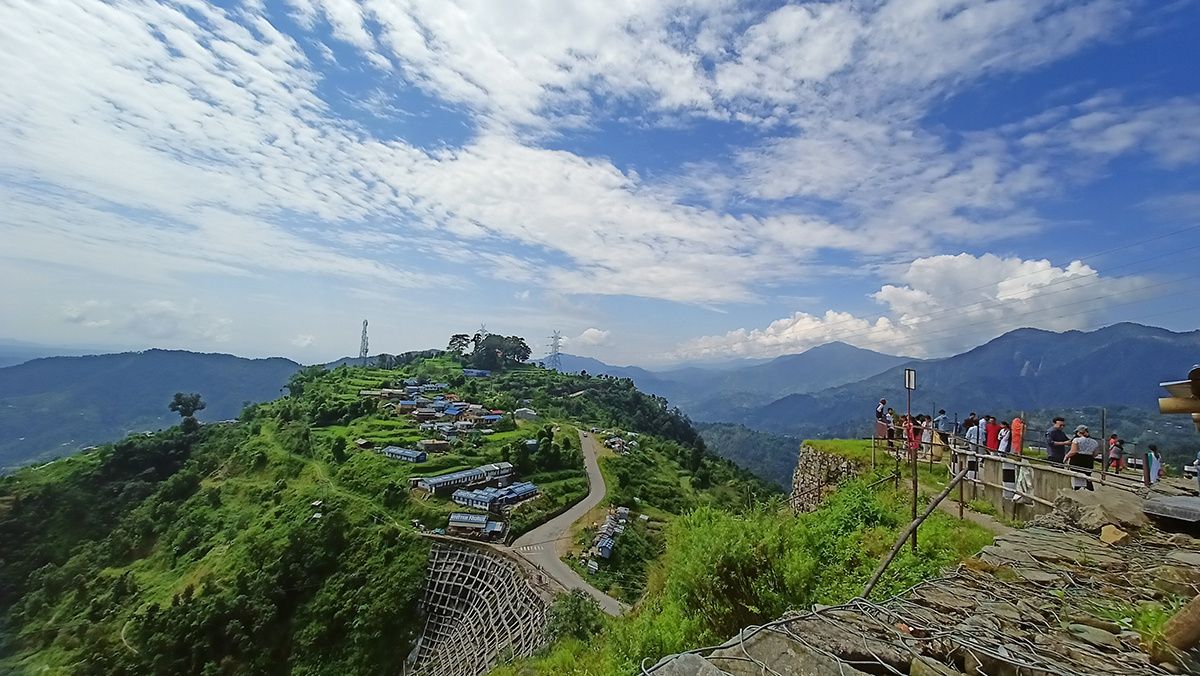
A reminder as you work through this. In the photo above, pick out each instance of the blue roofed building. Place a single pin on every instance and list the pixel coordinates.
(475, 525)
(446, 482)
(476, 373)
(605, 548)
(405, 454)
(494, 498)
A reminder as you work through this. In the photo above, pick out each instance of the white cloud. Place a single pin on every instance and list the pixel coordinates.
(591, 337)
(943, 305)
(171, 139)
(303, 341)
(150, 320)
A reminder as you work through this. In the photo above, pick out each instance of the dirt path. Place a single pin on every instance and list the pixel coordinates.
(543, 546)
(987, 521)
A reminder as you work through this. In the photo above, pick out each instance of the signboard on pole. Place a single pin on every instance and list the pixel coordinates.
(910, 379)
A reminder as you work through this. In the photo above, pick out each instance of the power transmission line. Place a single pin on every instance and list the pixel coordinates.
(554, 360)
(363, 345)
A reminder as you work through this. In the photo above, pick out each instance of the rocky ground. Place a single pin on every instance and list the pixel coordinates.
(1052, 598)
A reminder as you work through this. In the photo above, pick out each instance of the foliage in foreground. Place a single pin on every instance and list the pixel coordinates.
(724, 571)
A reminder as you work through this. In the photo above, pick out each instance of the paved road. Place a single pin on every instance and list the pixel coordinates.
(545, 544)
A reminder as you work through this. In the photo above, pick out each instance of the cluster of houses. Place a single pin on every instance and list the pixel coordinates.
(606, 537)
(620, 446)
(487, 487)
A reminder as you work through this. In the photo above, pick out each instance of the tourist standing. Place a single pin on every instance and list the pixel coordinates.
(926, 434)
(1116, 453)
(1155, 461)
(992, 432)
(1008, 470)
(1057, 441)
(889, 419)
(880, 409)
(944, 427)
(1082, 456)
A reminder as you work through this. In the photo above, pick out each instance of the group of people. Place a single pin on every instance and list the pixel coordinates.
(916, 431)
(985, 432)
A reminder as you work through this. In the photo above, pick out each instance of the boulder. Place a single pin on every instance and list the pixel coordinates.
(688, 665)
(1092, 510)
(1113, 536)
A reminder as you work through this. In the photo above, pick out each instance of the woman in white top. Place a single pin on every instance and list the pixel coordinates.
(1082, 457)
(927, 434)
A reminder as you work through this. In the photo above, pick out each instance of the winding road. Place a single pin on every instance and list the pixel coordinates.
(545, 545)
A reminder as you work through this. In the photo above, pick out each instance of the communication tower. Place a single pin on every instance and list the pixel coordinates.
(363, 345)
(554, 360)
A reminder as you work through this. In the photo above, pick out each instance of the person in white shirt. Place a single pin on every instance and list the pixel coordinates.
(1082, 458)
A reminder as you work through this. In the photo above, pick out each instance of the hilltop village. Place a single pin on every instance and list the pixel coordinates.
(492, 490)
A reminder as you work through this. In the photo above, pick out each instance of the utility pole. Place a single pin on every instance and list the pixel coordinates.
(363, 345)
(910, 384)
(554, 360)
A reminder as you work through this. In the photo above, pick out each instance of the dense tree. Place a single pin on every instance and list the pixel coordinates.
(186, 405)
(458, 344)
(575, 615)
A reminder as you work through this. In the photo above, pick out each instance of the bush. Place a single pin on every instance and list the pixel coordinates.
(575, 615)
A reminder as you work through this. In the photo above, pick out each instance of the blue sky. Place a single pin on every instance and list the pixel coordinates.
(661, 181)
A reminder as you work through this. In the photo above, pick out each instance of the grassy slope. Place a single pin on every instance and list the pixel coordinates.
(722, 571)
(216, 564)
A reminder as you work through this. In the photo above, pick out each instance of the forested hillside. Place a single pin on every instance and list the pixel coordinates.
(770, 456)
(272, 545)
(54, 406)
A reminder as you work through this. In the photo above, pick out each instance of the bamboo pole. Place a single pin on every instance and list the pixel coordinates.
(1183, 629)
(911, 530)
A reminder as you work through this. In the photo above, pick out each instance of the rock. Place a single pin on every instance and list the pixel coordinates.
(688, 665)
(1184, 557)
(1093, 621)
(787, 657)
(1183, 540)
(1092, 510)
(1113, 536)
(1181, 580)
(1097, 637)
(926, 666)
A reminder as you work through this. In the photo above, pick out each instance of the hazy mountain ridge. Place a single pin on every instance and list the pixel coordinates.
(706, 393)
(55, 405)
(1029, 369)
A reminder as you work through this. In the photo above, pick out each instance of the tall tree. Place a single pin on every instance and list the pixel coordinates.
(458, 344)
(186, 404)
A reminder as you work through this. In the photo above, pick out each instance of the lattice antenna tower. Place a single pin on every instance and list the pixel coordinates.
(363, 345)
(483, 332)
(554, 360)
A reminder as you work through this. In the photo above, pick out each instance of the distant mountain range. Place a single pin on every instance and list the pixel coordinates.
(1026, 369)
(707, 394)
(831, 390)
(53, 406)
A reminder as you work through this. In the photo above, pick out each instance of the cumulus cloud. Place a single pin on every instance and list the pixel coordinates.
(303, 341)
(940, 307)
(591, 337)
(151, 319)
(171, 138)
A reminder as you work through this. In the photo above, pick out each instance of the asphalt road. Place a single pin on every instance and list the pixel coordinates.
(546, 544)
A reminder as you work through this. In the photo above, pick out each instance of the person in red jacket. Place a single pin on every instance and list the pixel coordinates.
(993, 433)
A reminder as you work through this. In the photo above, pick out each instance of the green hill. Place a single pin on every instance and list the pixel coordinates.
(55, 406)
(272, 545)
